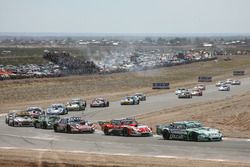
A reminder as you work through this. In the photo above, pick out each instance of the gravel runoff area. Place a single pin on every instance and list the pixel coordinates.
(22, 158)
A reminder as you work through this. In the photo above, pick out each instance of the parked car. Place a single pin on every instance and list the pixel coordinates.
(185, 95)
(125, 127)
(130, 100)
(235, 82)
(57, 109)
(224, 88)
(180, 90)
(188, 130)
(20, 118)
(74, 125)
(46, 121)
(196, 92)
(35, 112)
(141, 96)
(99, 102)
(76, 105)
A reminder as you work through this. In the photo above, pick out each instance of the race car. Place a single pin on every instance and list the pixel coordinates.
(74, 125)
(188, 130)
(185, 95)
(76, 105)
(130, 100)
(57, 109)
(180, 90)
(196, 92)
(125, 127)
(99, 102)
(141, 96)
(235, 82)
(20, 118)
(35, 111)
(200, 86)
(229, 81)
(45, 121)
(219, 83)
(224, 88)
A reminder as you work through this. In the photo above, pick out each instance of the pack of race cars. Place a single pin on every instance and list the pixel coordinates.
(50, 119)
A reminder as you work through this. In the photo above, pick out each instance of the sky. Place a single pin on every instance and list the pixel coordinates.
(125, 16)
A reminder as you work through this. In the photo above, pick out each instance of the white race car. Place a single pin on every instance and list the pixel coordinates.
(224, 88)
(219, 83)
(180, 90)
(235, 82)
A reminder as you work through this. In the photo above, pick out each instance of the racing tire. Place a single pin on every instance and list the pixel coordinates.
(68, 129)
(165, 135)
(44, 126)
(107, 104)
(106, 131)
(35, 125)
(55, 128)
(194, 136)
(125, 132)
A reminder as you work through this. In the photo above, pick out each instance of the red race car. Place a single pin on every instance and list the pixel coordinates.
(125, 127)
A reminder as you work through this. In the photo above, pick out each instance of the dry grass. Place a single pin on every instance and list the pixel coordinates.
(23, 93)
(231, 116)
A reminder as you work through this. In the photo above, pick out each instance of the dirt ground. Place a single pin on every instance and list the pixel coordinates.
(21, 158)
(231, 115)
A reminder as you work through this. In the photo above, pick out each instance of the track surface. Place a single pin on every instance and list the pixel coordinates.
(227, 150)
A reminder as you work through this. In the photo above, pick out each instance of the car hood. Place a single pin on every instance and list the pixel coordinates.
(21, 119)
(204, 130)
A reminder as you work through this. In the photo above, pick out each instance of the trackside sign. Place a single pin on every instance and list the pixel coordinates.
(204, 79)
(238, 73)
(160, 85)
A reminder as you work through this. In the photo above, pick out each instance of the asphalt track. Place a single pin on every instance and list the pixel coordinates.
(237, 150)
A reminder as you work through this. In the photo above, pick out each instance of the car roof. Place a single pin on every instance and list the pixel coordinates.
(187, 122)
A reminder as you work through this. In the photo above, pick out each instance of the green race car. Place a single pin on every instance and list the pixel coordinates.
(188, 130)
(45, 122)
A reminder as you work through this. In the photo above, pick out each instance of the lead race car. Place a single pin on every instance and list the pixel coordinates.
(188, 130)
(125, 127)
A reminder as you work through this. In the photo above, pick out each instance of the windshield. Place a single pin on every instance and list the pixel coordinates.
(193, 125)
(75, 120)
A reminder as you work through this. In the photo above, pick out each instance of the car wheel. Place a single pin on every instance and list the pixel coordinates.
(194, 136)
(125, 132)
(68, 130)
(35, 125)
(44, 125)
(165, 135)
(107, 104)
(106, 131)
(55, 128)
